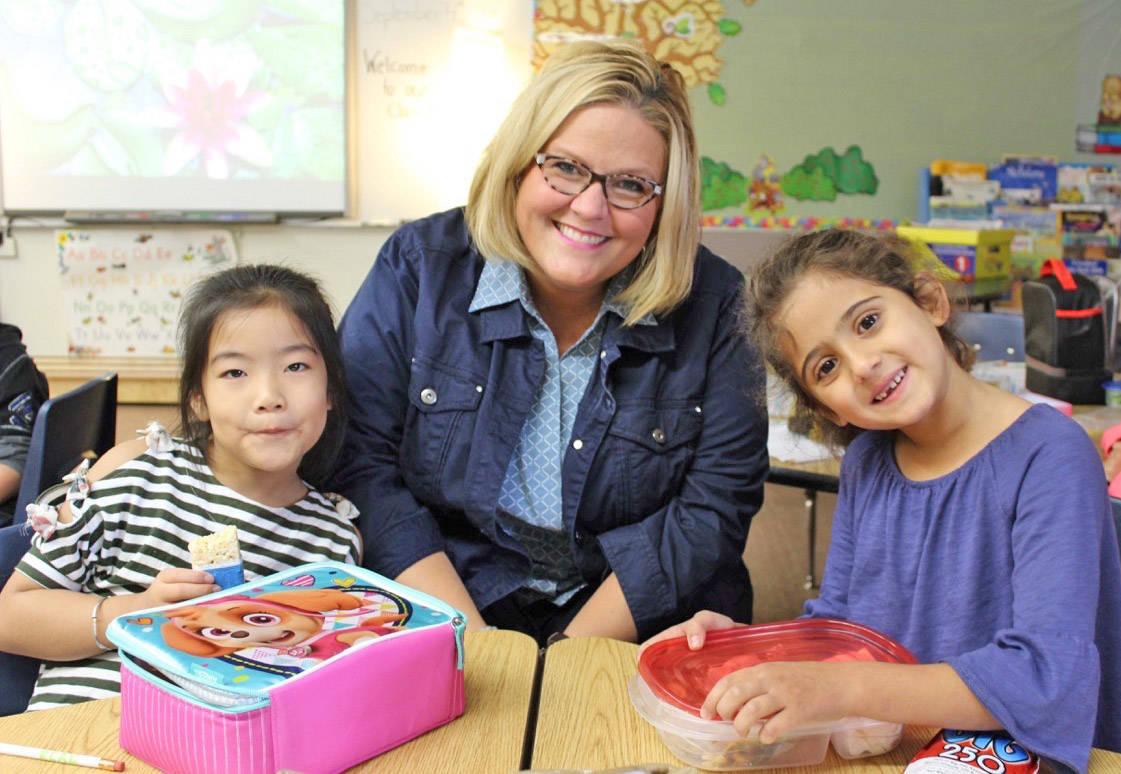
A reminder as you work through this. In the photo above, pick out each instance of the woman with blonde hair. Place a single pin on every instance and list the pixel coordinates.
(555, 426)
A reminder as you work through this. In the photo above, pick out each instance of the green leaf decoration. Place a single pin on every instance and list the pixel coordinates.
(822, 176)
(804, 182)
(729, 27)
(717, 94)
(854, 174)
(721, 186)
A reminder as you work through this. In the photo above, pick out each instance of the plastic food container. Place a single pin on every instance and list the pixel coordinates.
(672, 683)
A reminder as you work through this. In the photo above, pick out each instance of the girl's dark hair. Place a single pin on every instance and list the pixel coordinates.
(884, 259)
(251, 287)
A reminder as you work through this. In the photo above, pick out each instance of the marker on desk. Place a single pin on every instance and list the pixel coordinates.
(56, 756)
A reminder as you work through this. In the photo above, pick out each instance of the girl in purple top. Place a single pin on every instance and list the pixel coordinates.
(971, 526)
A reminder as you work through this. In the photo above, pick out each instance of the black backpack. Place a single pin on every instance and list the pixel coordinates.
(1064, 336)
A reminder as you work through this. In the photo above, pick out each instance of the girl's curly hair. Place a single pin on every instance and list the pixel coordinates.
(884, 259)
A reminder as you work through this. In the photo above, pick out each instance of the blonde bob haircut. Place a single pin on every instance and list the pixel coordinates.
(594, 73)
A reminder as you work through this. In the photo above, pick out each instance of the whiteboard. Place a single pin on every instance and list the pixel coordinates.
(204, 106)
(433, 79)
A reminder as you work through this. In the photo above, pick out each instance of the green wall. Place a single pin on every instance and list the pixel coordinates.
(908, 81)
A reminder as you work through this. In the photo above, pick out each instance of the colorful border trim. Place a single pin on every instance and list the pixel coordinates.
(804, 224)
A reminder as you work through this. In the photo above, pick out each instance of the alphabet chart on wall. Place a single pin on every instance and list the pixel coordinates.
(122, 288)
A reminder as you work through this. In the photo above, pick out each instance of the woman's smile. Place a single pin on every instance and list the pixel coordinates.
(580, 238)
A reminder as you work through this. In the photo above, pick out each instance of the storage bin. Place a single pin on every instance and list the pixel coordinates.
(972, 253)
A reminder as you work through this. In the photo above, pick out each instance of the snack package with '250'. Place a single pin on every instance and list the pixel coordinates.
(969, 752)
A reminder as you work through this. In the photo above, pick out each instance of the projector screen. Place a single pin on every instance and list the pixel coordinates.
(205, 106)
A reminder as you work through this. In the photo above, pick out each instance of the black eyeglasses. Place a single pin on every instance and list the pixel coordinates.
(627, 192)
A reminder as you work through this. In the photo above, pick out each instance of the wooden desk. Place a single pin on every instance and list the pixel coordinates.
(585, 719)
(488, 737)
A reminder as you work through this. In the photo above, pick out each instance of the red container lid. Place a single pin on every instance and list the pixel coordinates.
(683, 677)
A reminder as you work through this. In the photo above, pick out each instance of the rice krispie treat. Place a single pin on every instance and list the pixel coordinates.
(219, 554)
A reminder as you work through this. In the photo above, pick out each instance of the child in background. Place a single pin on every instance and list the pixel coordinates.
(970, 526)
(23, 388)
(262, 400)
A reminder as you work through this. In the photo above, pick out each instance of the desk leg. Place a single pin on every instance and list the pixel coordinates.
(811, 537)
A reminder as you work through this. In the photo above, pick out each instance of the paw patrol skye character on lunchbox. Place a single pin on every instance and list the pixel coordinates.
(310, 623)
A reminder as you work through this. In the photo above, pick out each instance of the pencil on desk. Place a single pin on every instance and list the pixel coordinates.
(90, 761)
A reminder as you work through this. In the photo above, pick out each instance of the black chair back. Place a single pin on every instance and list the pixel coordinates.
(67, 428)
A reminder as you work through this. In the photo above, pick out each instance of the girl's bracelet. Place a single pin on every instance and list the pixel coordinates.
(93, 625)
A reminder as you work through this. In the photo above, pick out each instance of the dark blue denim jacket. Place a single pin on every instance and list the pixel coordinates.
(671, 457)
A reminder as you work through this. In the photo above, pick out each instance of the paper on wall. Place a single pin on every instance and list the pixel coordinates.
(122, 288)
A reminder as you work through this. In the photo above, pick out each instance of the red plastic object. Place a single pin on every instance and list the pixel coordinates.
(683, 677)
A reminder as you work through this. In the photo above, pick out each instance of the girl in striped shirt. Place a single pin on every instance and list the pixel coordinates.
(262, 403)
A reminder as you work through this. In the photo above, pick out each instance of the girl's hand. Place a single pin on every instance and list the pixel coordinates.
(693, 630)
(174, 584)
(787, 695)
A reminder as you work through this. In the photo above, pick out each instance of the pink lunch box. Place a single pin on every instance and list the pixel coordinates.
(314, 669)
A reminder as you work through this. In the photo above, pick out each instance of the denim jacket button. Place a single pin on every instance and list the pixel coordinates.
(579, 536)
(428, 396)
(659, 435)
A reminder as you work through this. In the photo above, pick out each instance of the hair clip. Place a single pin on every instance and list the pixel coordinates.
(42, 518)
(157, 438)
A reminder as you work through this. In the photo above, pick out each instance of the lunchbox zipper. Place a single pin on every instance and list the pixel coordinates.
(258, 700)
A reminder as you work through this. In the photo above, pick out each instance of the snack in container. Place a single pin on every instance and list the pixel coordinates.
(969, 752)
(672, 683)
(220, 555)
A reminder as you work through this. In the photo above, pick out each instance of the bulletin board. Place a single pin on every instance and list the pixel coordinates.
(813, 112)
(432, 81)
(121, 289)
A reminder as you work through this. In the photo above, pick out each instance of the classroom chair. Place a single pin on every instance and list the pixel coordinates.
(993, 335)
(69, 427)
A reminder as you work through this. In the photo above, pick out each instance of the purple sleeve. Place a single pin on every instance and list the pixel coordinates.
(1040, 677)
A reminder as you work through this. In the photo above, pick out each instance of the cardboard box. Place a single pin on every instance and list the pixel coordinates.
(972, 253)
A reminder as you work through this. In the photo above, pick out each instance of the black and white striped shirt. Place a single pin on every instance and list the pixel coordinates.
(137, 520)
